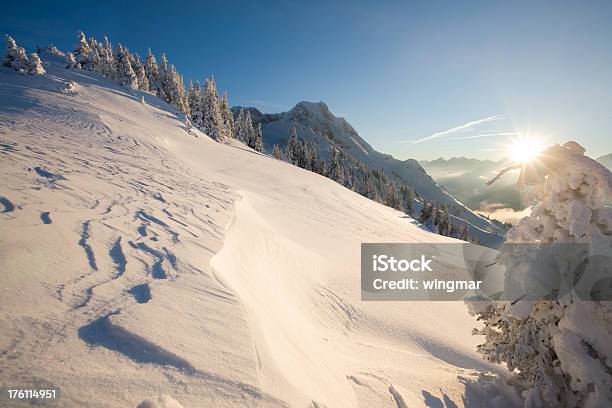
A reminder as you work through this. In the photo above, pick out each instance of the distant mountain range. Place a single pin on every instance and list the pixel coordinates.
(465, 179)
(315, 123)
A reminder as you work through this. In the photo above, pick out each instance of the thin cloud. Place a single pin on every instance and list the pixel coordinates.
(484, 135)
(503, 213)
(463, 127)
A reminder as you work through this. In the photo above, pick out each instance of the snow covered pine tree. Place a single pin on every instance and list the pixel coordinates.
(108, 64)
(15, 57)
(152, 72)
(125, 73)
(239, 126)
(161, 77)
(247, 129)
(82, 52)
(228, 118)
(212, 120)
(194, 100)
(71, 62)
(276, 152)
(35, 66)
(292, 146)
(141, 75)
(560, 350)
(175, 90)
(258, 139)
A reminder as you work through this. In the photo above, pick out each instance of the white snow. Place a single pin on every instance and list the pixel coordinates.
(315, 123)
(359, 145)
(170, 269)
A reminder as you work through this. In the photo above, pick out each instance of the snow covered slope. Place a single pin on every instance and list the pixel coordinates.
(315, 122)
(143, 266)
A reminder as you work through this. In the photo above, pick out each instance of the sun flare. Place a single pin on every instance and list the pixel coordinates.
(525, 149)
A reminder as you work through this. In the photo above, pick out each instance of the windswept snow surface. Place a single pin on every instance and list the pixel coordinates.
(143, 266)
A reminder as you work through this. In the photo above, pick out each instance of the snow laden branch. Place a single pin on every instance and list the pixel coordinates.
(558, 349)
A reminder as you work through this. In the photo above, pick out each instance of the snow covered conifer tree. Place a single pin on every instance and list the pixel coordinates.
(51, 49)
(427, 211)
(94, 55)
(190, 93)
(369, 189)
(108, 65)
(71, 61)
(212, 120)
(175, 90)
(249, 132)
(152, 72)
(163, 65)
(276, 152)
(292, 146)
(443, 221)
(258, 139)
(408, 199)
(392, 199)
(107, 45)
(228, 118)
(82, 52)
(125, 73)
(190, 96)
(10, 52)
(97, 56)
(194, 99)
(184, 103)
(35, 66)
(141, 76)
(20, 63)
(239, 130)
(335, 172)
(161, 77)
(302, 160)
(436, 220)
(559, 348)
(310, 156)
(14, 56)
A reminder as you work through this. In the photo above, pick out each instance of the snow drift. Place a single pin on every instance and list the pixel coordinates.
(143, 265)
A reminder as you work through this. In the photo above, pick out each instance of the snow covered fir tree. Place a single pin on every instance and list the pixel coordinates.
(559, 349)
(35, 65)
(15, 57)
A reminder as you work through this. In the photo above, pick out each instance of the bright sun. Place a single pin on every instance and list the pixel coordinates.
(523, 150)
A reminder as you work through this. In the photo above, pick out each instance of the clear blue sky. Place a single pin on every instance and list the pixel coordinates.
(398, 71)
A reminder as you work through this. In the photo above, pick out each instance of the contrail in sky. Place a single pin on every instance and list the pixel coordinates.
(459, 128)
